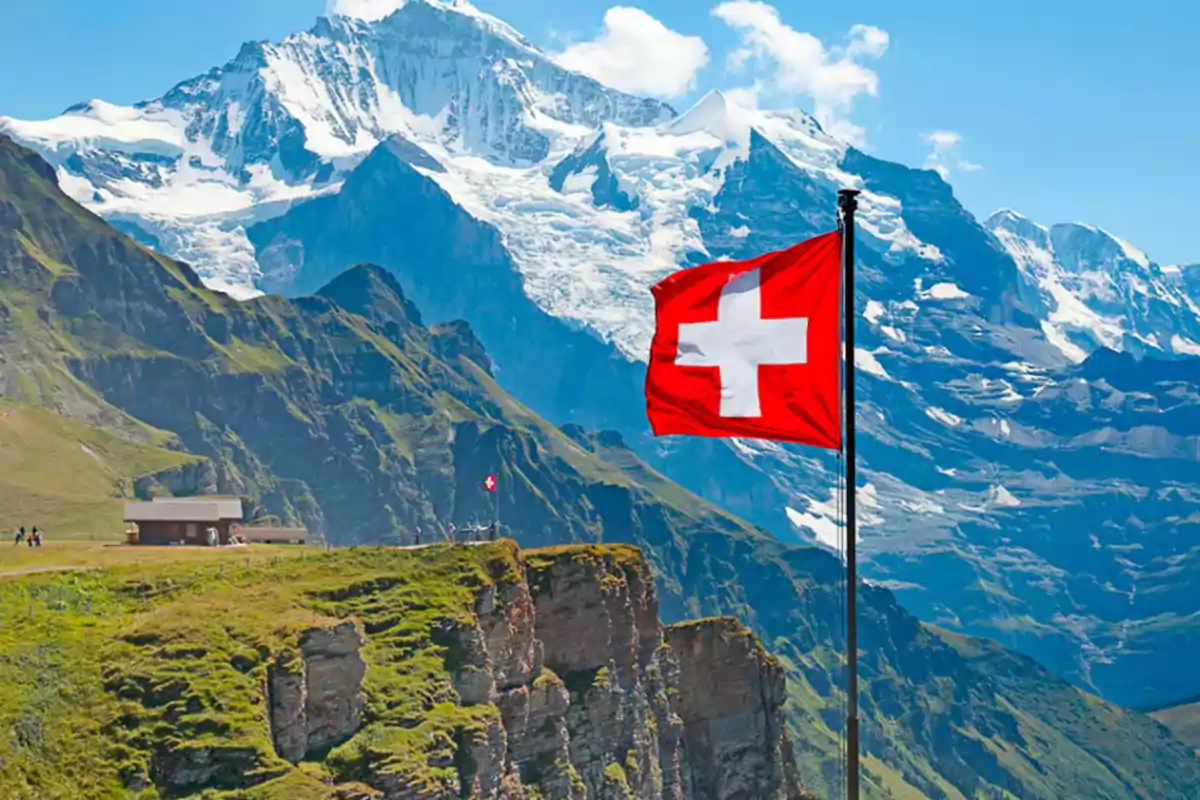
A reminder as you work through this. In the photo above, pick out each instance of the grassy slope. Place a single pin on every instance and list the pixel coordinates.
(68, 478)
(100, 670)
(1184, 721)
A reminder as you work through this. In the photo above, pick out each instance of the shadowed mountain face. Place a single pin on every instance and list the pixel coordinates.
(346, 412)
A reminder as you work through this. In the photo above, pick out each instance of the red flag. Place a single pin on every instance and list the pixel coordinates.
(751, 348)
(489, 483)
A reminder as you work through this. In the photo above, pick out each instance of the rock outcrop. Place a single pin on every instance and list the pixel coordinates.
(566, 686)
(316, 694)
(730, 696)
(596, 702)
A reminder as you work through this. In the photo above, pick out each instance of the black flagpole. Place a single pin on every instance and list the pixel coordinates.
(848, 203)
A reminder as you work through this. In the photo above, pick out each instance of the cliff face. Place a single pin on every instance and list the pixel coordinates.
(731, 702)
(598, 700)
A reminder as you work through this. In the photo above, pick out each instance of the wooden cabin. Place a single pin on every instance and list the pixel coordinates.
(184, 520)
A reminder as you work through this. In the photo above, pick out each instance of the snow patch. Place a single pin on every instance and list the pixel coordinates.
(581, 181)
(943, 291)
(1132, 253)
(1184, 346)
(824, 529)
(866, 361)
(873, 311)
(1002, 497)
(943, 416)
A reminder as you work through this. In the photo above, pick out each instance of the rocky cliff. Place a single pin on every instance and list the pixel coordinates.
(596, 699)
(423, 674)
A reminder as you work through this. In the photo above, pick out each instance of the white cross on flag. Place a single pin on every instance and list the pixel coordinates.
(489, 483)
(751, 348)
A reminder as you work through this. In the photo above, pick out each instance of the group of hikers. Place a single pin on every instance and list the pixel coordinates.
(470, 533)
(33, 538)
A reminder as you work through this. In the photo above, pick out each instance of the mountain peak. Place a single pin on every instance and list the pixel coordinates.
(715, 113)
(1017, 231)
(1090, 244)
(373, 293)
(407, 12)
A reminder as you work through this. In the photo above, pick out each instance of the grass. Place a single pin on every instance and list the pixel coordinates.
(1183, 721)
(107, 673)
(68, 478)
(69, 554)
(246, 357)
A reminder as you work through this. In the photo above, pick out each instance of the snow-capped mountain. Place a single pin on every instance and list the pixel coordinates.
(1095, 289)
(1022, 483)
(282, 121)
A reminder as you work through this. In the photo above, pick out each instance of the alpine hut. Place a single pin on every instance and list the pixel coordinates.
(184, 520)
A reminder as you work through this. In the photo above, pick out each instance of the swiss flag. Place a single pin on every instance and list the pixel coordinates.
(489, 483)
(751, 348)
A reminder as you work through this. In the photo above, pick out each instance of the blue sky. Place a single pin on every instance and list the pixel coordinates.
(1068, 112)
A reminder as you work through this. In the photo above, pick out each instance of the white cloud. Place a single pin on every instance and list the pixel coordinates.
(637, 53)
(744, 96)
(798, 63)
(867, 40)
(369, 10)
(945, 155)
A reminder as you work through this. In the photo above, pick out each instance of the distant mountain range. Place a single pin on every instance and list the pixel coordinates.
(1026, 478)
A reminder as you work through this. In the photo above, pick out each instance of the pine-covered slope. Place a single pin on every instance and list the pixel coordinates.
(345, 411)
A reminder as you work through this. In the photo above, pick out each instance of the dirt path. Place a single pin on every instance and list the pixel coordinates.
(30, 570)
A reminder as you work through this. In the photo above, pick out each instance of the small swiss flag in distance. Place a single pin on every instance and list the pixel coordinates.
(489, 483)
(751, 348)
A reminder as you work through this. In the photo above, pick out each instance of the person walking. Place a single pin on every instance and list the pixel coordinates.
(20, 537)
(35, 537)
(492, 532)
(453, 533)
(417, 536)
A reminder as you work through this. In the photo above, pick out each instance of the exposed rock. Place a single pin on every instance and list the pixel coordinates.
(289, 727)
(575, 695)
(730, 697)
(662, 679)
(467, 654)
(316, 696)
(197, 477)
(455, 338)
(189, 767)
(535, 718)
(482, 753)
(597, 616)
(506, 618)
